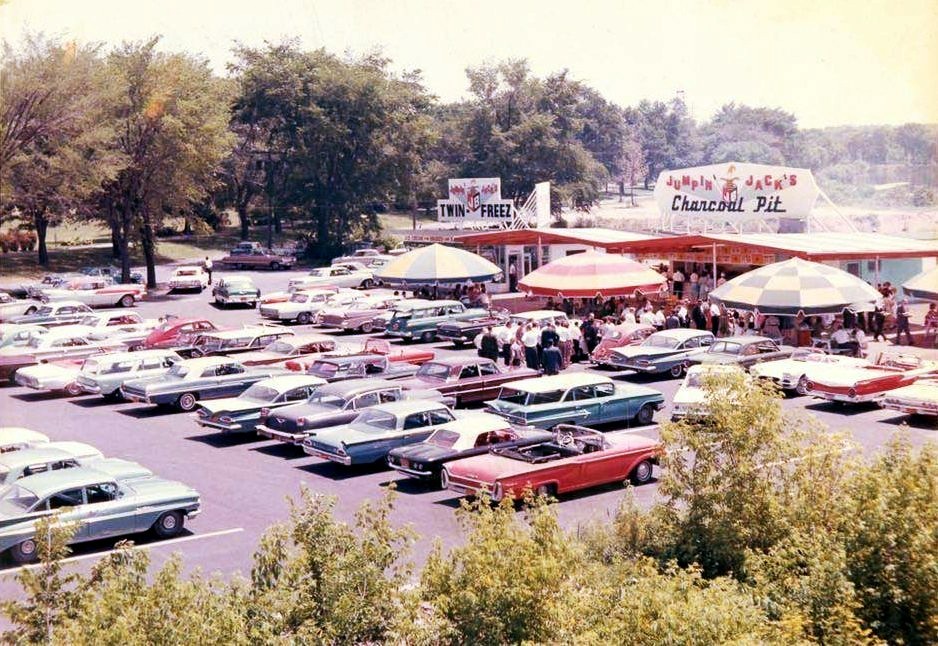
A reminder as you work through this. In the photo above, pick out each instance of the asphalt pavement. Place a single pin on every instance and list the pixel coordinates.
(245, 483)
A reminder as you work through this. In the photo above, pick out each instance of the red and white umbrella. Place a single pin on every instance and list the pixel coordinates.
(589, 274)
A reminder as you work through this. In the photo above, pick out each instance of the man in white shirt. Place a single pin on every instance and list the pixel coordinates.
(566, 348)
(529, 340)
(576, 339)
(647, 318)
(505, 335)
(659, 319)
(841, 340)
(678, 279)
(715, 318)
(694, 285)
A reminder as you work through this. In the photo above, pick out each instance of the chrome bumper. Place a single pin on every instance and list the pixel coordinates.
(325, 455)
(281, 436)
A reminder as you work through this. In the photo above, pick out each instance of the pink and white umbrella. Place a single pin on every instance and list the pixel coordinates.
(589, 274)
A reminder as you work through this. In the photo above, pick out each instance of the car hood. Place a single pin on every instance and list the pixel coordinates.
(689, 396)
(42, 370)
(261, 355)
(643, 352)
(420, 383)
(232, 405)
(491, 467)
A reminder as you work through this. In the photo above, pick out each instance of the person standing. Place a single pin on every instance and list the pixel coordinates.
(506, 334)
(512, 277)
(529, 340)
(721, 280)
(931, 325)
(705, 285)
(694, 284)
(902, 321)
(488, 347)
(553, 360)
(879, 323)
(698, 316)
(678, 279)
(566, 347)
(576, 340)
(714, 318)
(207, 265)
(590, 335)
(549, 336)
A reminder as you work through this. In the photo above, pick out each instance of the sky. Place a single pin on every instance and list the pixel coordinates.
(830, 62)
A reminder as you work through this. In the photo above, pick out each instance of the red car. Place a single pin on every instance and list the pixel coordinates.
(626, 334)
(174, 331)
(394, 353)
(576, 458)
(869, 382)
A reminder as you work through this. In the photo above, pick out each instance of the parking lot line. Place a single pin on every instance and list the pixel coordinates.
(98, 555)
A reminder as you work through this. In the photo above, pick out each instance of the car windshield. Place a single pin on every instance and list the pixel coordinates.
(434, 370)
(656, 341)
(117, 367)
(443, 438)
(327, 400)
(375, 421)
(44, 311)
(16, 500)
(236, 343)
(320, 273)
(178, 370)
(513, 396)
(240, 284)
(88, 320)
(90, 366)
(324, 368)
(260, 393)
(299, 298)
(279, 347)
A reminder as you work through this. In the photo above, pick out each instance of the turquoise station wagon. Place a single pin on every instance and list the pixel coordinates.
(418, 319)
(577, 398)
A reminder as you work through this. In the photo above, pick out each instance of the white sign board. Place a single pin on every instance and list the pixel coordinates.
(475, 200)
(735, 192)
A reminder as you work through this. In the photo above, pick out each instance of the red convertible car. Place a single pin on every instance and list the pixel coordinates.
(623, 335)
(176, 330)
(576, 458)
(872, 381)
(394, 353)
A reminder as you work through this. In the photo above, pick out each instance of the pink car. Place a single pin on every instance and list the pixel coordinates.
(626, 334)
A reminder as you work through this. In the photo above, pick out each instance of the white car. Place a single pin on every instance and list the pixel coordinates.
(16, 438)
(17, 334)
(802, 366)
(97, 292)
(10, 307)
(104, 374)
(188, 277)
(343, 275)
(111, 324)
(54, 346)
(52, 376)
(49, 456)
(919, 398)
(690, 398)
(303, 306)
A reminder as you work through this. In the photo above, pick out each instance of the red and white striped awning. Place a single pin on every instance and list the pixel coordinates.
(589, 274)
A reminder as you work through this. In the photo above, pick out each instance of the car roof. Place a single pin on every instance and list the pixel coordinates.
(137, 354)
(349, 358)
(682, 333)
(558, 382)
(408, 406)
(47, 452)
(205, 362)
(48, 482)
(14, 434)
(64, 302)
(420, 303)
(355, 386)
(713, 367)
(476, 422)
(459, 361)
(746, 339)
(248, 331)
(286, 382)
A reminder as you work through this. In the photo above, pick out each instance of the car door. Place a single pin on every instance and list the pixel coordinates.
(232, 380)
(490, 380)
(608, 408)
(69, 504)
(104, 515)
(581, 405)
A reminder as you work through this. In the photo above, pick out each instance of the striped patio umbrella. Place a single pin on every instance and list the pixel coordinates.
(437, 263)
(589, 274)
(792, 286)
(923, 285)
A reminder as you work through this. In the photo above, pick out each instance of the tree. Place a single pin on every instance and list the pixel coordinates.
(667, 134)
(53, 132)
(743, 133)
(171, 125)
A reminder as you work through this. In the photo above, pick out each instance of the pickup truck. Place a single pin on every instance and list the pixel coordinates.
(259, 259)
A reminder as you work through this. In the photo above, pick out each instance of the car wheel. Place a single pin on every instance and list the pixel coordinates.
(802, 387)
(545, 491)
(303, 318)
(169, 524)
(25, 552)
(646, 414)
(427, 336)
(187, 402)
(73, 389)
(367, 327)
(115, 396)
(275, 265)
(253, 305)
(677, 370)
(444, 479)
(458, 344)
(368, 283)
(642, 472)
(126, 301)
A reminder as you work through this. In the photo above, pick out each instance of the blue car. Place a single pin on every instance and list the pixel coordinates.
(578, 398)
(377, 430)
(662, 352)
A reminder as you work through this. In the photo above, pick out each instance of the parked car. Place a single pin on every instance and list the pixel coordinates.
(918, 398)
(358, 366)
(241, 414)
(259, 259)
(228, 342)
(246, 247)
(16, 438)
(301, 307)
(869, 383)
(330, 405)
(188, 277)
(691, 396)
(54, 314)
(52, 376)
(363, 256)
(33, 289)
(418, 319)
(394, 353)
(104, 374)
(101, 506)
(188, 382)
(54, 346)
(358, 315)
(662, 352)
(342, 275)
(10, 307)
(283, 296)
(377, 430)
(49, 456)
(14, 334)
(464, 437)
(802, 366)
(236, 290)
(290, 347)
(97, 292)
(462, 332)
(576, 458)
(575, 398)
(466, 379)
(627, 334)
(111, 272)
(120, 326)
(174, 331)
(742, 351)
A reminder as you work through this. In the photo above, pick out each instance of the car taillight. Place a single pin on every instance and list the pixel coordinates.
(809, 385)
(300, 421)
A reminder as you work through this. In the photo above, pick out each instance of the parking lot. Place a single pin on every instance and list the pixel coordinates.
(244, 482)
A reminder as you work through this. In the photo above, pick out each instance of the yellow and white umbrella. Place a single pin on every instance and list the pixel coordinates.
(437, 263)
(923, 285)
